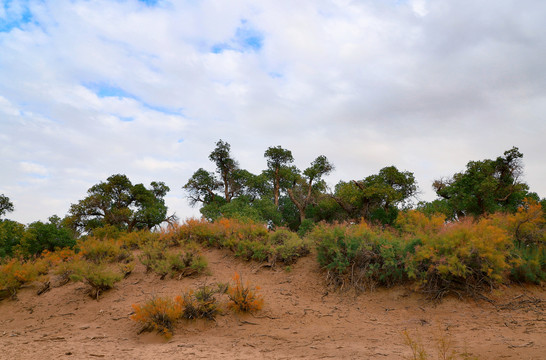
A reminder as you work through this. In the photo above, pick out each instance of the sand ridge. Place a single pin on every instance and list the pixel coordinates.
(301, 319)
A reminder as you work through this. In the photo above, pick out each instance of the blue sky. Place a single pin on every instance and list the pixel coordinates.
(145, 88)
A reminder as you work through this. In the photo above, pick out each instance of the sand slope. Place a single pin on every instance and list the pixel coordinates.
(300, 320)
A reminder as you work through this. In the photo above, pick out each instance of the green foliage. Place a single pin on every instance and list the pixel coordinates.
(359, 255)
(288, 247)
(248, 240)
(529, 264)
(49, 236)
(11, 235)
(159, 259)
(5, 205)
(376, 198)
(306, 227)
(106, 250)
(119, 203)
(278, 170)
(201, 304)
(485, 186)
(100, 277)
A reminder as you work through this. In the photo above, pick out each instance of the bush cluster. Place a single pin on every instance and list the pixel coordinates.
(16, 273)
(157, 257)
(161, 314)
(360, 256)
(248, 240)
(464, 257)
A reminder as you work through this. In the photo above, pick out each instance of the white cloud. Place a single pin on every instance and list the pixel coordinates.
(423, 85)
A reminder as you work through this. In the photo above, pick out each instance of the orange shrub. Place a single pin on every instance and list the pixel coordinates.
(464, 258)
(158, 314)
(244, 298)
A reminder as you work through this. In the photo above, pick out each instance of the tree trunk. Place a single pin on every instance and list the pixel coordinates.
(276, 187)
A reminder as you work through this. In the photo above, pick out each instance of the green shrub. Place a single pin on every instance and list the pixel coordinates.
(105, 250)
(201, 304)
(359, 256)
(288, 246)
(529, 264)
(99, 277)
(157, 258)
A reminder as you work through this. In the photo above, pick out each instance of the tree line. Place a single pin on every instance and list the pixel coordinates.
(282, 195)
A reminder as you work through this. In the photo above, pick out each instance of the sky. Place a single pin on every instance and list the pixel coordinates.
(89, 89)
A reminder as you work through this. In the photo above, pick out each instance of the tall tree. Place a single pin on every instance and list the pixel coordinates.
(201, 187)
(377, 197)
(119, 203)
(226, 167)
(278, 168)
(5, 205)
(306, 186)
(485, 186)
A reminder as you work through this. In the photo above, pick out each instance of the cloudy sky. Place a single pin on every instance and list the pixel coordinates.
(145, 88)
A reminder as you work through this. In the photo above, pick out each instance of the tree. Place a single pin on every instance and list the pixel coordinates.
(201, 187)
(119, 203)
(41, 236)
(306, 186)
(485, 186)
(377, 197)
(11, 235)
(6, 206)
(226, 167)
(278, 160)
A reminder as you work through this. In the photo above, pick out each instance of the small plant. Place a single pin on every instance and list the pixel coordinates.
(244, 298)
(417, 349)
(201, 304)
(159, 314)
(443, 344)
(98, 276)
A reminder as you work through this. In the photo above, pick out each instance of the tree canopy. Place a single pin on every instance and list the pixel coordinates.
(5, 205)
(376, 197)
(119, 203)
(485, 186)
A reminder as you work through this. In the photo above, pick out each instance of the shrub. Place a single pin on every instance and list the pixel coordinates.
(158, 314)
(288, 246)
(106, 250)
(157, 258)
(244, 298)
(529, 264)
(99, 277)
(201, 304)
(137, 239)
(14, 274)
(416, 223)
(464, 258)
(359, 256)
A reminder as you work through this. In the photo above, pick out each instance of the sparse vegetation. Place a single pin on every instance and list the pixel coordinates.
(244, 297)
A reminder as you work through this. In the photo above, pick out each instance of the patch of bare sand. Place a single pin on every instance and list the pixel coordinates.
(300, 320)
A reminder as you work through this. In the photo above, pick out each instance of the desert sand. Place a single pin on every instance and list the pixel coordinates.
(301, 319)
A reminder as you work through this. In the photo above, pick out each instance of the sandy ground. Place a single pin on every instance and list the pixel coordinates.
(300, 320)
